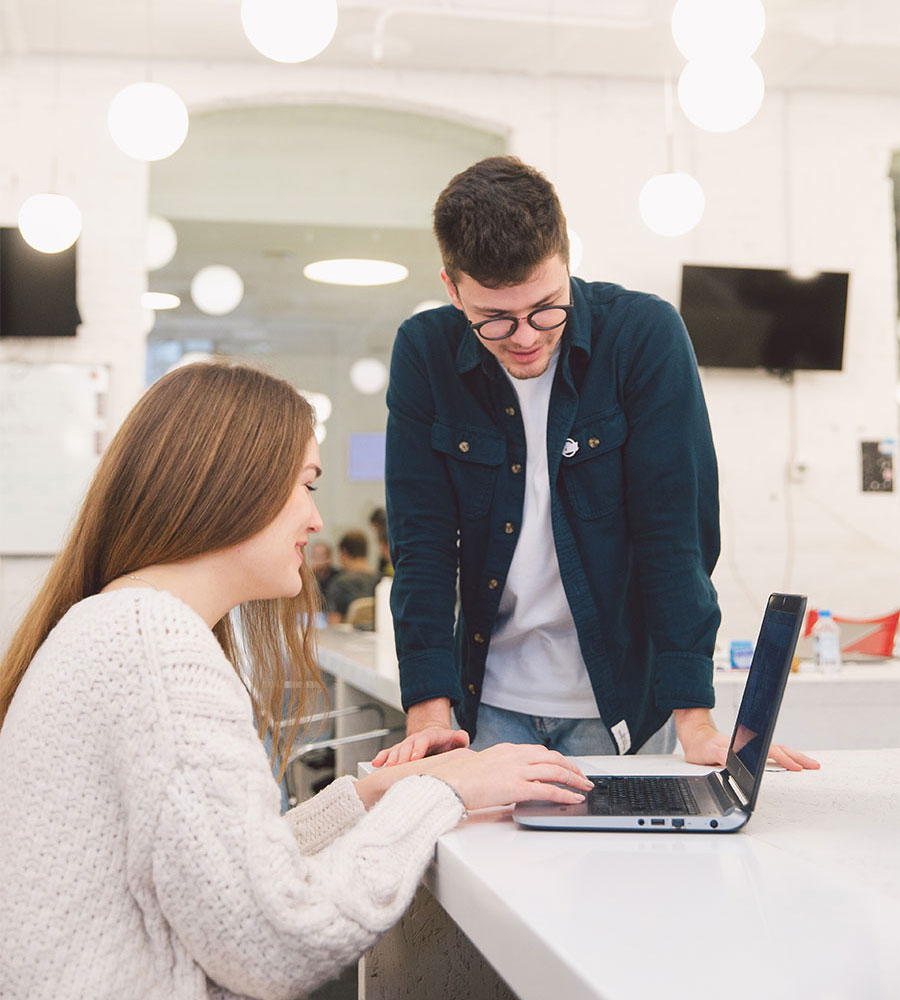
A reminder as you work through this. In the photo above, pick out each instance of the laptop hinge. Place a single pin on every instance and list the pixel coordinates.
(725, 791)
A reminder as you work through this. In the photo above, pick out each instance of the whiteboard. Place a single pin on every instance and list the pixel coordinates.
(52, 433)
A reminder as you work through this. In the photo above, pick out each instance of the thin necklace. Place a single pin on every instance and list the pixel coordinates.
(134, 576)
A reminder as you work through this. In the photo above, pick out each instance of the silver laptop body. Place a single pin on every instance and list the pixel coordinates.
(718, 802)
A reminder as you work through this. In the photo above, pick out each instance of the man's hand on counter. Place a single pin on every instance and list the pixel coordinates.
(704, 744)
(428, 732)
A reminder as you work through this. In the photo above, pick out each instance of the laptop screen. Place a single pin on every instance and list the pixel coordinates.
(765, 685)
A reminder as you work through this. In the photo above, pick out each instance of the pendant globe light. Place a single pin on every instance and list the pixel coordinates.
(719, 94)
(289, 31)
(705, 28)
(161, 244)
(671, 204)
(49, 222)
(368, 375)
(147, 121)
(217, 289)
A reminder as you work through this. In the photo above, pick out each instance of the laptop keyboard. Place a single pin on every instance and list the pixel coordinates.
(636, 796)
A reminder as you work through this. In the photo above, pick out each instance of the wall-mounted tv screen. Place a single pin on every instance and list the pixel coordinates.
(753, 317)
(37, 290)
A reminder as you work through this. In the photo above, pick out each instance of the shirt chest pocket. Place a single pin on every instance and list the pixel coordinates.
(593, 474)
(473, 460)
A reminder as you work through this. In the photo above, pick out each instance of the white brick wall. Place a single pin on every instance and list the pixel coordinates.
(806, 179)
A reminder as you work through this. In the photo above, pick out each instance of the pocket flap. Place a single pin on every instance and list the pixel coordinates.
(468, 444)
(595, 436)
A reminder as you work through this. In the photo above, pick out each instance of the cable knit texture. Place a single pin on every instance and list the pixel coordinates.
(142, 850)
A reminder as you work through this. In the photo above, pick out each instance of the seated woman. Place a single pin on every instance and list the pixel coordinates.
(143, 849)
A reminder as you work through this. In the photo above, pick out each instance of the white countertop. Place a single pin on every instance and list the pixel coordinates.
(803, 902)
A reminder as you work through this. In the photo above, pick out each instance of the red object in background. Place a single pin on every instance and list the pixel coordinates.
(865, 636)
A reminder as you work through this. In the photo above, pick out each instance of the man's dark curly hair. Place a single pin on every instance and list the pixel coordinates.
(497, 221)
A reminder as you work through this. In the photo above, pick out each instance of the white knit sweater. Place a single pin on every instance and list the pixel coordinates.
(142, 851)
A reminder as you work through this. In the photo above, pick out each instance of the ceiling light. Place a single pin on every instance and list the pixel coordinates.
(721, 94)
(319, 402)
(321, 432)
(160, 300)
(718, 27)
(368, 375)
(162, 242)
(217, 289)
(428, 304)
(148, 121)
(353, 271)
(576, 251)
(49, 222)
(289, 31)
(671, 204)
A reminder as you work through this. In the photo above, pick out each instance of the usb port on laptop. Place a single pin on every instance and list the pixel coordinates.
(657, 822)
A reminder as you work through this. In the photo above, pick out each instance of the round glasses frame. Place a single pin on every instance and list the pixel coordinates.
(514, 321)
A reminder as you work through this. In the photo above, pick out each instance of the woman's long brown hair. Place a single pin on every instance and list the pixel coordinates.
(206, 459)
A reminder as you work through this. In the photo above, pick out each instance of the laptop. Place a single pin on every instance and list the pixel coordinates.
(718, 802)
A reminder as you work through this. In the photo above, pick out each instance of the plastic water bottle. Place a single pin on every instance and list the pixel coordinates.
(826, 635)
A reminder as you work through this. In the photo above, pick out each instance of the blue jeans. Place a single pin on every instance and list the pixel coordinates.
(572, 737)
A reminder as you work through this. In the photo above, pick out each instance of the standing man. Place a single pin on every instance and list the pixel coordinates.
(548, 443)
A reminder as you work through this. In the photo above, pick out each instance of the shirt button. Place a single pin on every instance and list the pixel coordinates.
(493, 584)
(515, 468)
(463, 445)
(473, 689)
(508, 528)
(510, 411)
(593, 442)
(479, 638)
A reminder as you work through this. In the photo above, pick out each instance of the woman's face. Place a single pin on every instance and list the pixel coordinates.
(271, 559)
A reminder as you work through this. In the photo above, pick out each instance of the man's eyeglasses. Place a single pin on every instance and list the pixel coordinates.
(542, 318)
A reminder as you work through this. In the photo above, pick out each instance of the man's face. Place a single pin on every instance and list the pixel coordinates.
(527, 353)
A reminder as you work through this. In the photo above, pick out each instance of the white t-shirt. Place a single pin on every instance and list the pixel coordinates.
(534, 663)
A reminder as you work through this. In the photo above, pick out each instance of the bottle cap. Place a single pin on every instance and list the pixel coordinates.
(824, 614)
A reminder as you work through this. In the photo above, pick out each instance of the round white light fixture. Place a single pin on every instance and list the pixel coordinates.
(49, 222)
(148, 121)
(671, 204)
(321, 432)
(368, 375)
(721, 94)
(162, 242)
(704, 28)
(289, 31)
(217, 289)
(428, 304)
(160, 300)
(576, 251)
(355, 271)
(320, 403)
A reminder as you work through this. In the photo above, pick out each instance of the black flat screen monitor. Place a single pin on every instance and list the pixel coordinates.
(37, 290)
(753, 317)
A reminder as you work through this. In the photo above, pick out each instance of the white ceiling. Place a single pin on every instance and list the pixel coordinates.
(832, 44)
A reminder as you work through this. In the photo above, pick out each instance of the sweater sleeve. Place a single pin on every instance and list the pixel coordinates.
(257, 914)
(317, 821)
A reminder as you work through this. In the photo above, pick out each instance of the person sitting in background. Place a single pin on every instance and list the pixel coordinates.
(355, 579)
(321, 557)
(144, 851)
(378, 520)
